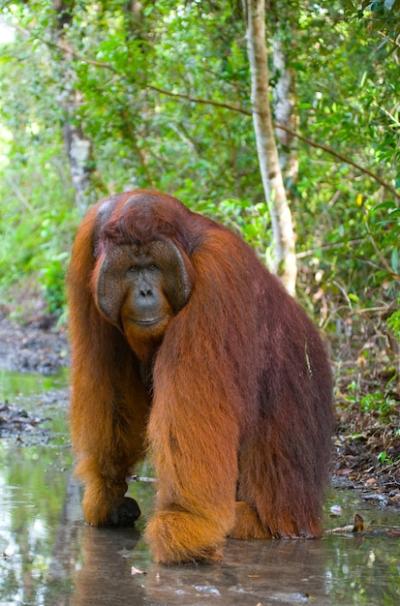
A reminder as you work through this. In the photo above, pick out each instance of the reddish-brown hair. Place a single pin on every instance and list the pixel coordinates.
(239, 418)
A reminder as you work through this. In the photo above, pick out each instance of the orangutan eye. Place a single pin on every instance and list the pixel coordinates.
(152, 267)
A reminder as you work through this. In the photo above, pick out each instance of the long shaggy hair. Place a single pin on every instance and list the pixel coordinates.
(239, 417)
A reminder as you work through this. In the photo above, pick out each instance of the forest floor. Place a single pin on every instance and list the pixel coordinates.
(366, 441)
(35, 346)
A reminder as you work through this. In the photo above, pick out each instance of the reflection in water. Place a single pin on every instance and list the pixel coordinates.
(51, 558)
(283, 572)
(105, 576)
(13, 385)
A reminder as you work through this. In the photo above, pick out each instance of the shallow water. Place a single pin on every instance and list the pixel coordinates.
(48, 556)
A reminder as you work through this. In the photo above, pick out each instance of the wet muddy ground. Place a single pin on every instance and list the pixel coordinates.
(48, 556)
(32, 347)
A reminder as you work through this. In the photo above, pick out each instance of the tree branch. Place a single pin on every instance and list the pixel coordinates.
(333, 245)
(291, 132)
(67, 48)
(200, 101)
(342, 158)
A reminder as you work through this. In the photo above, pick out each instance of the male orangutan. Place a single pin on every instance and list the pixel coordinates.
(184, 343)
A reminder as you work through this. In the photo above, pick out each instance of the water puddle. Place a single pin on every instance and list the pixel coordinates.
(48, 556)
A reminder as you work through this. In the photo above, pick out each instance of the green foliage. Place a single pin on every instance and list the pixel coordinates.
(377, 402)
(36, 228)
(384, 458)
(53, 280)
(345, 61)
(393, 323)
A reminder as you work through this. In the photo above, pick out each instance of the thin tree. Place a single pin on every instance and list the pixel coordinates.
(284, 257)
(78, 146)
(285, 111)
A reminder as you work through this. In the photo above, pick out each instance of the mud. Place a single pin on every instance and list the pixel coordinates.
(35, 347)
(48, 556)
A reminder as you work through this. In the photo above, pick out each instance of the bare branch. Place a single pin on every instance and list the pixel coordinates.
(291, 132)
(200, 101)
(100, 64)
(312, 251)
(342, 158)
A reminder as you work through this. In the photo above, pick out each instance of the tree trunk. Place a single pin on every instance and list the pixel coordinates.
(285, 111)
(77, 145)
(284, 263)
(79, 151)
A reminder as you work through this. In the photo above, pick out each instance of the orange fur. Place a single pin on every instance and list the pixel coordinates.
(181, 536)
(239, 404)
(109, 405)
(247, 524)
